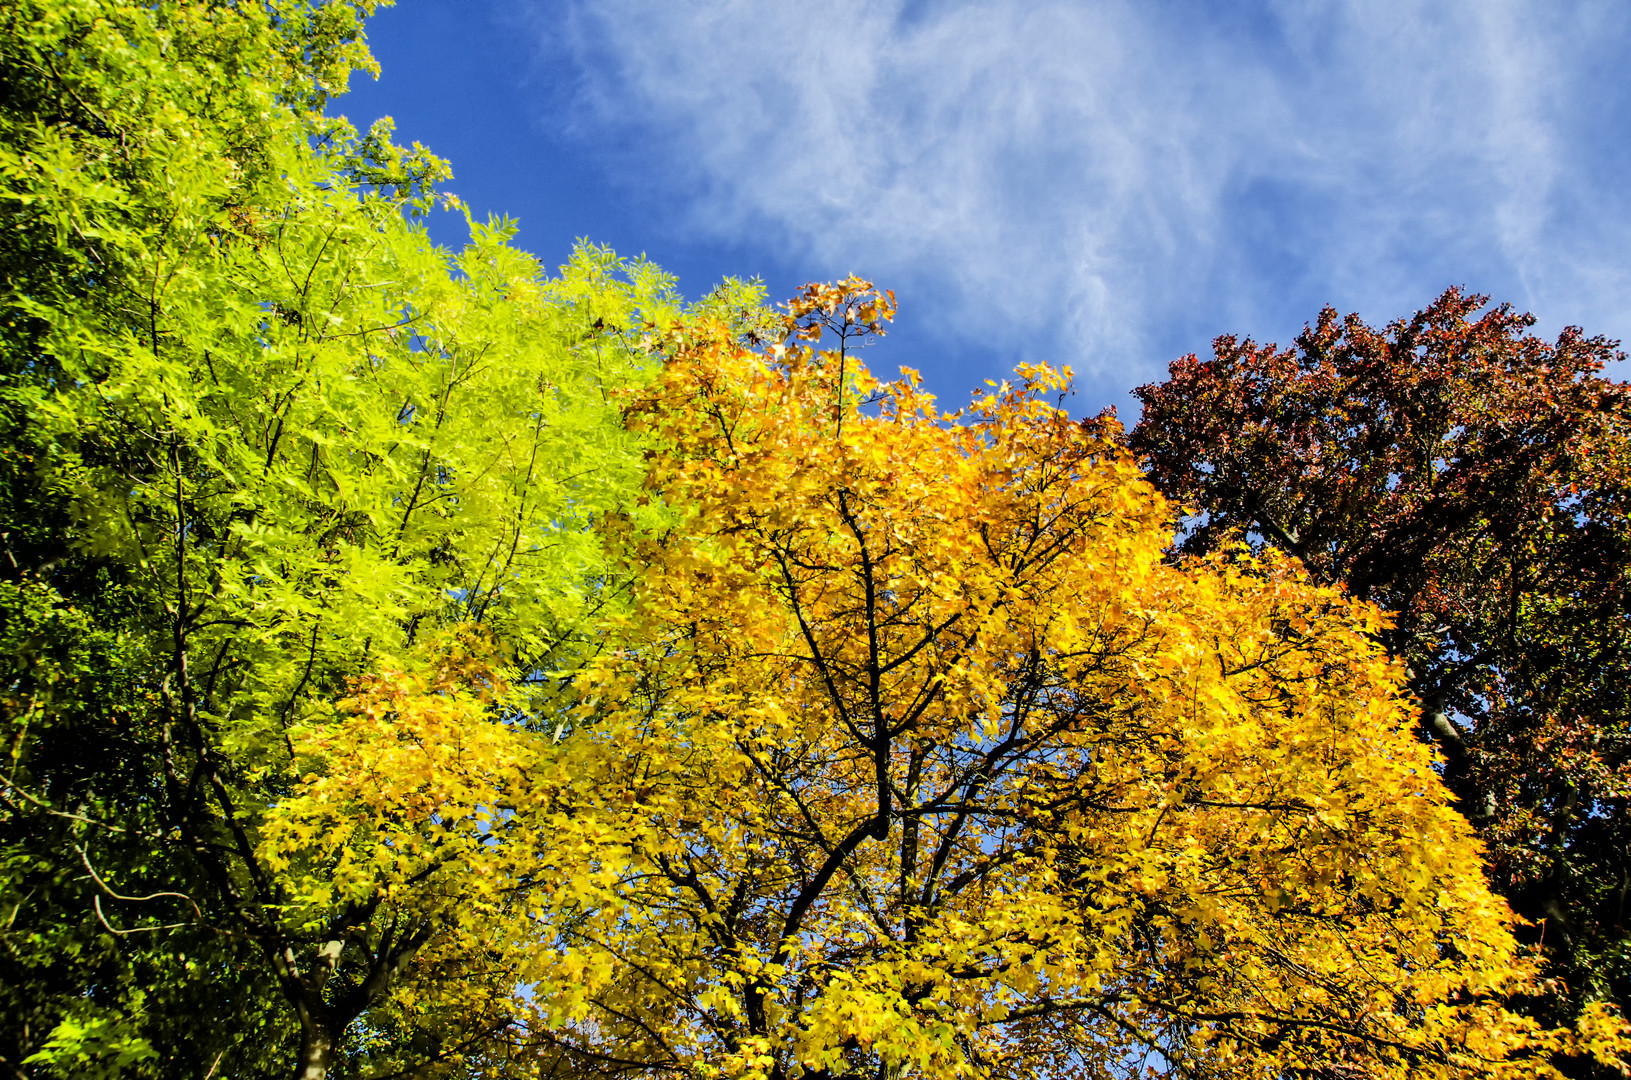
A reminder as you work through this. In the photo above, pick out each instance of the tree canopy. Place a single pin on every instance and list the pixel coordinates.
(268, 452)
(1471, 478)
(933, 765)
(420, 664)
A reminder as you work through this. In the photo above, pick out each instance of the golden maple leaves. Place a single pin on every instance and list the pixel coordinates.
(922, 758)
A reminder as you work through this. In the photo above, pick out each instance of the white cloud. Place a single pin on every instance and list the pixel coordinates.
(1104, 183)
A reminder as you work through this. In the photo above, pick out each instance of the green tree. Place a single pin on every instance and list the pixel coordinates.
(1475, 480)
(270, 456)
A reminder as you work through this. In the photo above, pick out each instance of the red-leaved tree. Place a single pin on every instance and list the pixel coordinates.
(1476, 480)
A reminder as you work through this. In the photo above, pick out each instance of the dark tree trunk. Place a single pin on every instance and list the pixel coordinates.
(316, 1049)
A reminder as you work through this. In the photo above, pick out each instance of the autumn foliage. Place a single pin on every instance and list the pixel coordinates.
(1471, 478)
(929, 763)
(419, 664)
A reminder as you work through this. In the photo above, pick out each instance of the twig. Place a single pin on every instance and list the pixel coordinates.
(84, 858)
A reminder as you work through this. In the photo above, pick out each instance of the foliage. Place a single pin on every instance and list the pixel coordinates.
(1473, 479)
(882, 739)
(268, 454)
(932, 765)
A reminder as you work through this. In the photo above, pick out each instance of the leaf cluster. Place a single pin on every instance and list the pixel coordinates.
(931, 763)
(267, 453)
(1471, 478)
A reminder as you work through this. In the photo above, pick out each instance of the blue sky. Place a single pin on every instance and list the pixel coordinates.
(1102, 184)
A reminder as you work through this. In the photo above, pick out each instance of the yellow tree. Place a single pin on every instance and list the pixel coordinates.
(932, 764)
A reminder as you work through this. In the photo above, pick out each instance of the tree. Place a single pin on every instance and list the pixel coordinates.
(1472, 479)
(291, 503)
(932, 764)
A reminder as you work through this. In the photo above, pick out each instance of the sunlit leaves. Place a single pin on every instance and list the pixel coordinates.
(288, 458)
(933, 764)
(1472, 478)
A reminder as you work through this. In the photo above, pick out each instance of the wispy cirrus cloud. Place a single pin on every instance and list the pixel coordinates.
(1109, 183)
